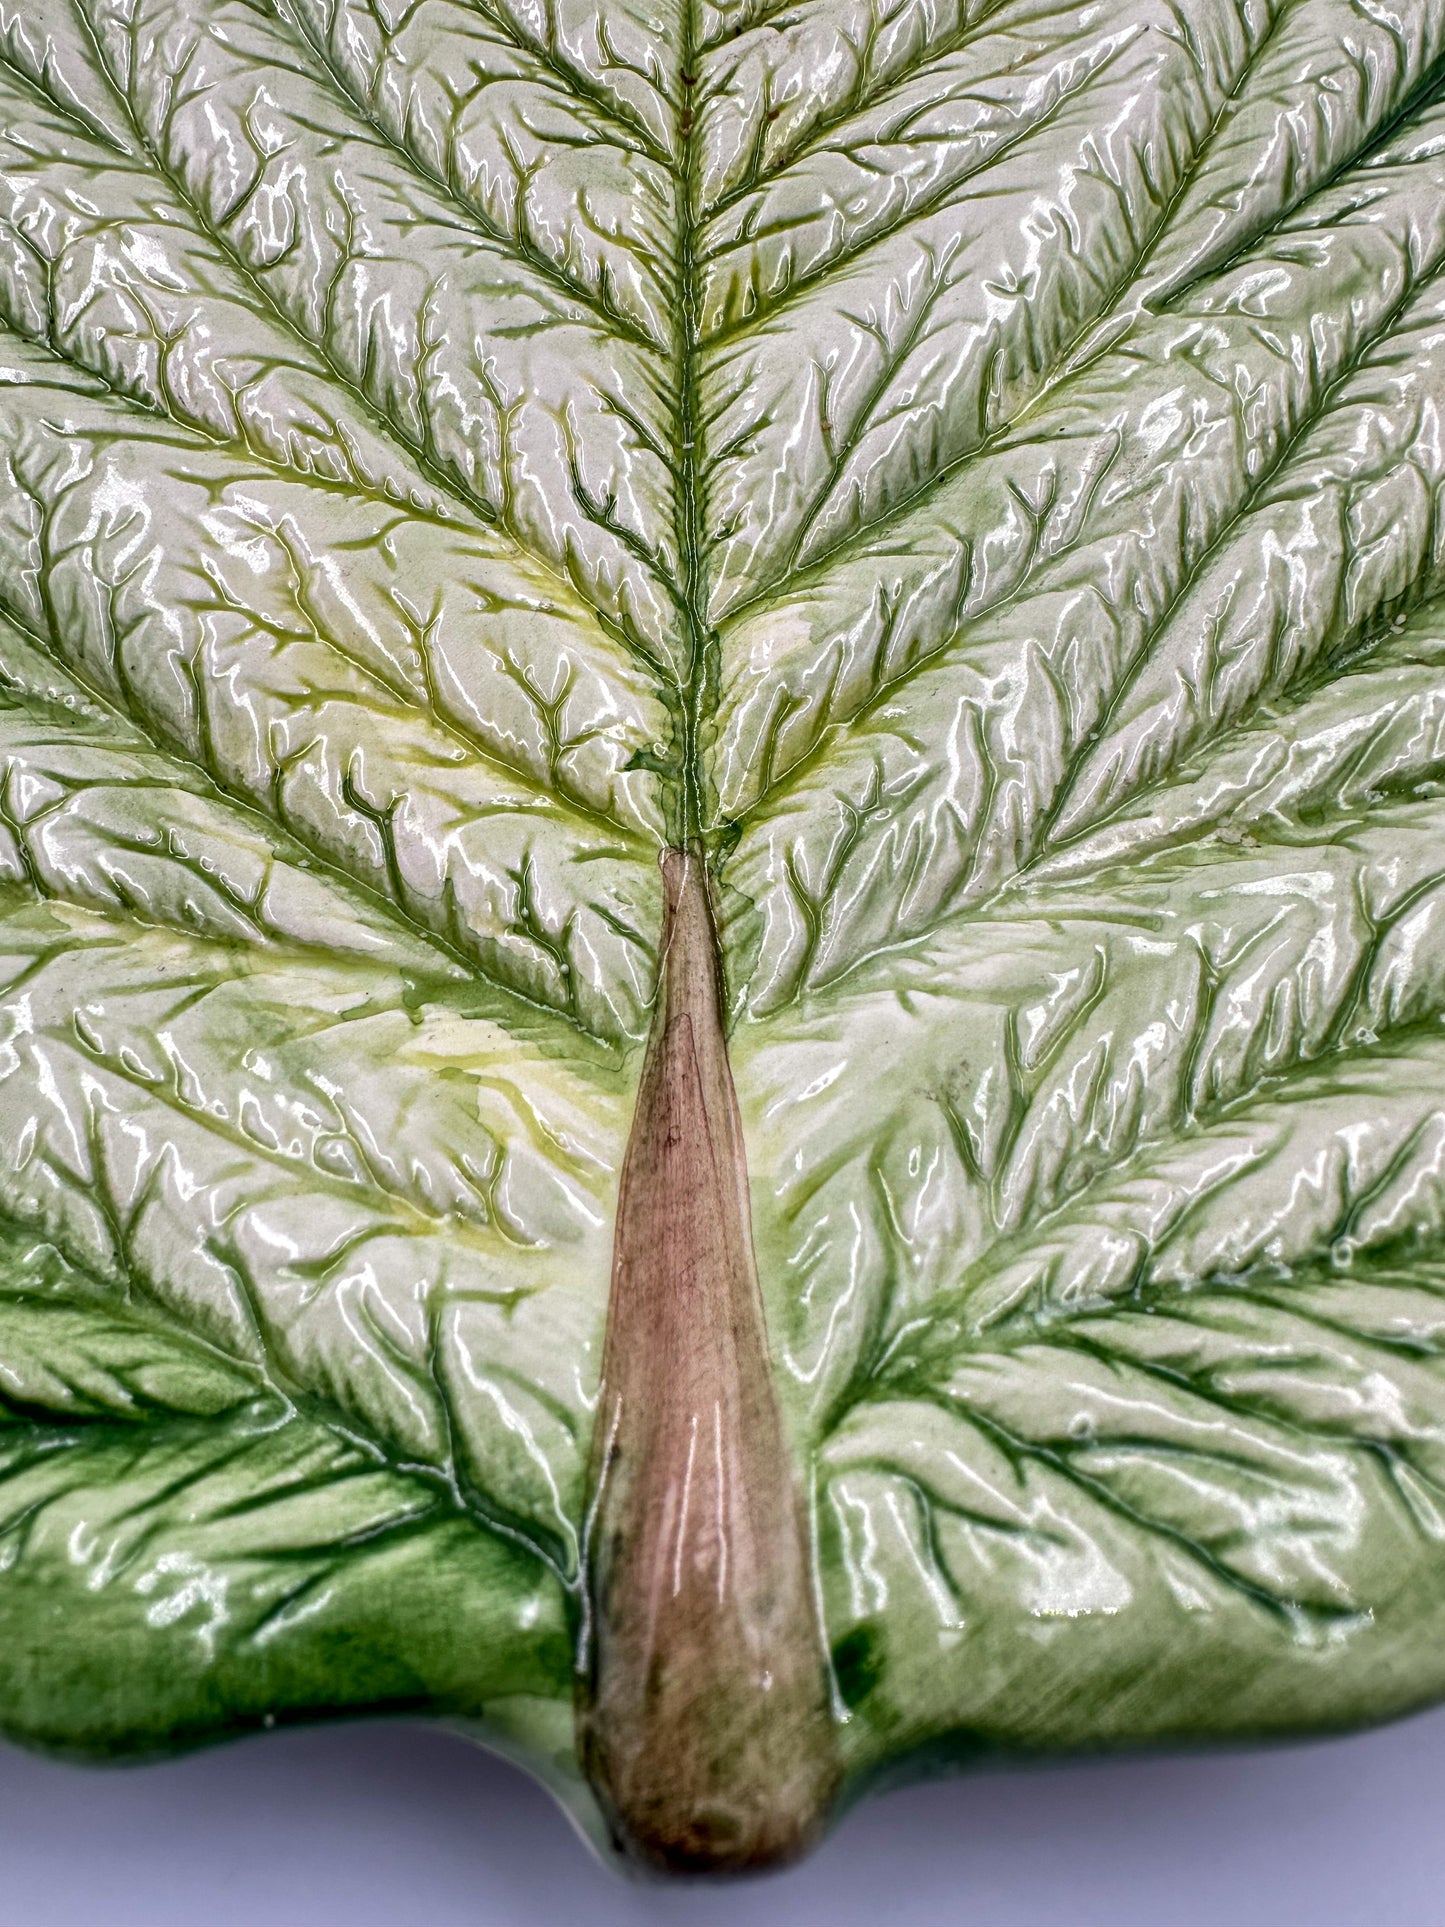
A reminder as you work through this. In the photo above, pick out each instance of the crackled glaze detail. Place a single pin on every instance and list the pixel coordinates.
(968, 473)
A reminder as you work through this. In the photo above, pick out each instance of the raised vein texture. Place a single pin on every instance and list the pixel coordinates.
(968, 473)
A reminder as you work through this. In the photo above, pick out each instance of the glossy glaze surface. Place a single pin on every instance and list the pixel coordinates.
(705, 1722)
(972, 469)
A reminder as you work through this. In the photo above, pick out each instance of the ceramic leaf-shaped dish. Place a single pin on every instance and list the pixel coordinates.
(722, 940)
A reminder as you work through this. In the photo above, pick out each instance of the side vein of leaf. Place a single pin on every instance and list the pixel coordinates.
(1018, 1449)
(886, 691)
(1082, 356)
(393, 909)
(448, 483)
(926, 204)
(1426, 94)
(1269, 1088)
(68, 111)
(861, 99)
(443, 1486)
(574, 79)
(905, 506)
(515, 247)
(350, 489)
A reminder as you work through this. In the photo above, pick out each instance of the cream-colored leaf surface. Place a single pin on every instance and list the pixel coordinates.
(972, 468)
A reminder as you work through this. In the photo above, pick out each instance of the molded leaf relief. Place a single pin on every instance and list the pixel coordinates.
(781, 667)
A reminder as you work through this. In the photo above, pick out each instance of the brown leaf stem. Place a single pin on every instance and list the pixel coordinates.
(703, 1718)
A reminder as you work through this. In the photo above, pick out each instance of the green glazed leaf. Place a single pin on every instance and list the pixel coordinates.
(970, 471)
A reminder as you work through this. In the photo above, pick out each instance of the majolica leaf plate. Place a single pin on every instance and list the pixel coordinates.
(722, 882)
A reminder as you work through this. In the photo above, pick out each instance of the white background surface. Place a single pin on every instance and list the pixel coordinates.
(395, 1826)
